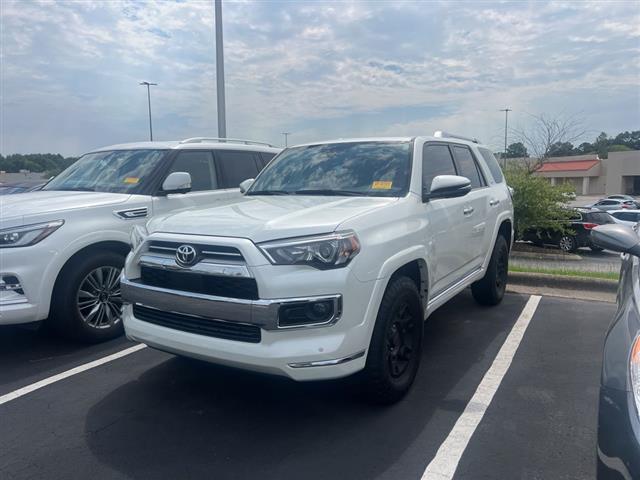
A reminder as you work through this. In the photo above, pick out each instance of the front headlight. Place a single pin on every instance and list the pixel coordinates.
(326, 251)
(28, 234)
(137, 236)
(634, 371)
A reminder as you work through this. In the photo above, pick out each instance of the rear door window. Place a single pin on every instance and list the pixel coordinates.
(599, 217)
(467, 166)
(492, 163)
(236, 166)
(199, 165)
(436, 160)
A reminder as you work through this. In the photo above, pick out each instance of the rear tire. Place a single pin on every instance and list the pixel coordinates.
(86, 304)
(490, 290)
(568, 244)
(394, 351)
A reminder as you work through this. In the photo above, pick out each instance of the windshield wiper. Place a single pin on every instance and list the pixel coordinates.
(349, 193)
(76, 189)
(269, 192)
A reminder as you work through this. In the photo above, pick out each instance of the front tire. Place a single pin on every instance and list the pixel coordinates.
(394, 351)
(86, 303)
(490, 290)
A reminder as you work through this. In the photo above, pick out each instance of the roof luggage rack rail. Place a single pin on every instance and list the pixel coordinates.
(224, 140)
(442, 134)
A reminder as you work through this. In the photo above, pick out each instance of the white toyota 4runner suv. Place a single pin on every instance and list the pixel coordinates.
(329, 263)
(62, 248)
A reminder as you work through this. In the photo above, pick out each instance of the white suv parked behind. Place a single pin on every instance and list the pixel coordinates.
(62, 248)
(330, 262)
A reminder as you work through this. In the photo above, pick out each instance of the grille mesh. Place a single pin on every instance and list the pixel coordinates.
(230, 287)
(201, 326)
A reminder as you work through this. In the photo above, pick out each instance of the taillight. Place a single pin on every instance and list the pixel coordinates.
(625, 206)
(589, 226)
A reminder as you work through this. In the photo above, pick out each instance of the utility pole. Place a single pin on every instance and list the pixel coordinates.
(149, 84)
(286, 135)
(506, 123)
(222, 120)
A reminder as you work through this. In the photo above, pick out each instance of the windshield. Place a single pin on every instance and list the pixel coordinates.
(117, 171)
(380, 169)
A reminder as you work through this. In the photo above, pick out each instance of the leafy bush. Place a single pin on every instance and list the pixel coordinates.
(536, 202)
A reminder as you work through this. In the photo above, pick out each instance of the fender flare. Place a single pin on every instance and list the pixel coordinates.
(54, 268)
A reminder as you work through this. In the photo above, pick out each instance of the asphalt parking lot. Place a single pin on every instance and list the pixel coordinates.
(153, 415)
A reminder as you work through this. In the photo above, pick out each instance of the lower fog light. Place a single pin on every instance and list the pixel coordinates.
(307, 313)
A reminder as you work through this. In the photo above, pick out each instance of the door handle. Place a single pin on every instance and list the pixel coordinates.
(494, 202)
(468, 211)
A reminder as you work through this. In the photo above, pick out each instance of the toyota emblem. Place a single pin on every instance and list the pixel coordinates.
(186, 255)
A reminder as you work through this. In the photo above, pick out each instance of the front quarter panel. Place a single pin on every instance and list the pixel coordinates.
(39, 265)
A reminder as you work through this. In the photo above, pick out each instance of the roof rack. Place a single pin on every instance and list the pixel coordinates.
(442, 134)
(224, 140)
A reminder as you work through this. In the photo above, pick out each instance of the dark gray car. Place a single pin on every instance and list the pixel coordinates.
(618, 417)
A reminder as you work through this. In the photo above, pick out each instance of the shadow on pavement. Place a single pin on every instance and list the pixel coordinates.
(186, 419)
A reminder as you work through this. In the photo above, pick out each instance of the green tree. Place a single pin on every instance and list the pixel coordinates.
(561, 149)
(584, 148)
(536, 202)
(601, 145)
(517, 150)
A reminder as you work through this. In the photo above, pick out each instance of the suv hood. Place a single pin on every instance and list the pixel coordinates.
(262, 218)
(23, 205)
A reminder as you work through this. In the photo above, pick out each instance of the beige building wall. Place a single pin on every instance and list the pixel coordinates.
(623, 172)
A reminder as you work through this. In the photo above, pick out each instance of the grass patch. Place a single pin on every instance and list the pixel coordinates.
(565, 272)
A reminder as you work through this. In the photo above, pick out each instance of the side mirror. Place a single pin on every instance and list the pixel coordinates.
(246, 184)
(618, 238)
(447, 186)
(177, 182)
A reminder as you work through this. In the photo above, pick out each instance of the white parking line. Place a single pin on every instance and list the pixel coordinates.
(444, 464)
(74, 371)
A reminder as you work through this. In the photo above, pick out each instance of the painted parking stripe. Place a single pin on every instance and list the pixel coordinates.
(69, 373)
(444, 464)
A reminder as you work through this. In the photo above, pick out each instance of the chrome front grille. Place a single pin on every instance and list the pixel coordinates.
(218, 253)
(216, 270)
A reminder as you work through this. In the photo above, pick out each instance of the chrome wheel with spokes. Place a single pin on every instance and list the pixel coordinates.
(568, 243)
(99, 300)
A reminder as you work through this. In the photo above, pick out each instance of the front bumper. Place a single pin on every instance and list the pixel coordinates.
(302, 354)
(618, 435)
(24, 284)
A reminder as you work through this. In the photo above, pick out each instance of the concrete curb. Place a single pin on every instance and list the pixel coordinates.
(546, 256)
(563, 282)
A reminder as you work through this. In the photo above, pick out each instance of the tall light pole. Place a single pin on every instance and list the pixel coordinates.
(222, 121)
(149, 84)
(286, 135)
(506, 123)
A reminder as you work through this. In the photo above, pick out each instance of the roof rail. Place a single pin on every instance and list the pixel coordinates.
(224, 140)
(441, 134)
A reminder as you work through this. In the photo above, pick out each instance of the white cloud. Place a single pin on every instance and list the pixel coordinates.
(392, 67)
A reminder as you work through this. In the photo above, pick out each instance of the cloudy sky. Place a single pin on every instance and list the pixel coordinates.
(70, 70)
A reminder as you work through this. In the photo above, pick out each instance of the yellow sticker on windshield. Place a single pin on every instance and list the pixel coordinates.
(131, 180)
(381, 185)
